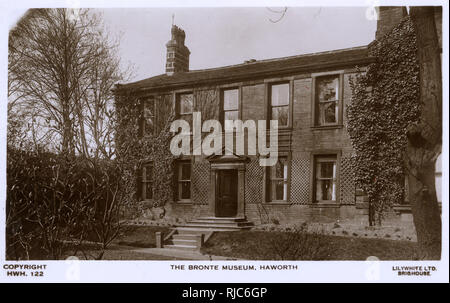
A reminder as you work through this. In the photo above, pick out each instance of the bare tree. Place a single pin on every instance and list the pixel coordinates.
(62, 68)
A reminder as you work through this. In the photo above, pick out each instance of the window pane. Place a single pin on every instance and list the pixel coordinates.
(280, 94)
(148, 116)
(325, 190)
(187, 118)
(149, 173)
(149, 190)
(186, 171)
(328, 112)
(185, 190)
(279, 190)
(326, 169)
(186, 103)
(230, 99)
(325, 179)
(327, 88)
(281, 168)
(231, 115)
(281, 114)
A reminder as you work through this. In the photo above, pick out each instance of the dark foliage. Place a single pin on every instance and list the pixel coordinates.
(56, 201)
(385, 102)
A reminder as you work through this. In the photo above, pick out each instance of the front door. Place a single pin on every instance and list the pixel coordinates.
(227, 193)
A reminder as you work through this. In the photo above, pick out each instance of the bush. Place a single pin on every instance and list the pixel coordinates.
(56, 202)
(297, 244)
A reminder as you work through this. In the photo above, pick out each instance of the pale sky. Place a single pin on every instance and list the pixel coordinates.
(225, 36)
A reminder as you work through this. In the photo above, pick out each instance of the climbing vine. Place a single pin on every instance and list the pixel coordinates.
(134, 149)
(385, 101)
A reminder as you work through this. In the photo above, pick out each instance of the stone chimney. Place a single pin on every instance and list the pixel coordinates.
(177, 58)
(388, 18)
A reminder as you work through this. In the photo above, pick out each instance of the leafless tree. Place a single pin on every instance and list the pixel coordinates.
(62, 67)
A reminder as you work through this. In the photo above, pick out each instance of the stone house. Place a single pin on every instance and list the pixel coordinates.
(308, 95)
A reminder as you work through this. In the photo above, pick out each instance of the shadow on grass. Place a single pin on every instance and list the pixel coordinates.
(263, 245)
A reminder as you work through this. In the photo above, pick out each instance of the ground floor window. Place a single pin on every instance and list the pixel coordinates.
(183, 177)
(278, 180)
(325, 179)
(147, 181)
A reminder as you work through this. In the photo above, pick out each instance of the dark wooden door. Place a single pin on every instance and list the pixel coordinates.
(227, 193)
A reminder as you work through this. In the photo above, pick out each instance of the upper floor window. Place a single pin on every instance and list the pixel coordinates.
(230, 110)
(186, 107)
(148, 116)
(325, 179)
(278, 180)
(279, 103)
(327, 100)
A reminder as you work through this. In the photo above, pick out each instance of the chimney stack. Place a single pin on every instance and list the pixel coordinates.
(388, 18)
(177, 58)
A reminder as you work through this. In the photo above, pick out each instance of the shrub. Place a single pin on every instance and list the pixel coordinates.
(297, 244)
(56, 202)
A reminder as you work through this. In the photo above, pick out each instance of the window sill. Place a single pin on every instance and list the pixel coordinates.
(325, 127)
(277, 203)
(324, 205)
(282, 128)
(184, 202)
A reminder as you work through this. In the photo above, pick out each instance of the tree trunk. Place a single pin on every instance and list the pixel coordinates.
(425, 138)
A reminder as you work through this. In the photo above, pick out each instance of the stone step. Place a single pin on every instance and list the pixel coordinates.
(182, 242)
(204, 230)
(218, 225)
(184, 237)
(231, 219)
(181, 247)
(191, 231)
(214, 221)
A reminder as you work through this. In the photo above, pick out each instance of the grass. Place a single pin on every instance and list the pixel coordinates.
(140, 236)
(120, 252)
(259, 245)
(130, 238)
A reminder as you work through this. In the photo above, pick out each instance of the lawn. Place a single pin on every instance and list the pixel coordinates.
(140, 236)
(131, 237)
(264, 245)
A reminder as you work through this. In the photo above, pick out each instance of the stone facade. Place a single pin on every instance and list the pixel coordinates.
(302, 141)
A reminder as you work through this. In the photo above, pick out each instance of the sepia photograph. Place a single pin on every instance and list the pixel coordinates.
(229, 134)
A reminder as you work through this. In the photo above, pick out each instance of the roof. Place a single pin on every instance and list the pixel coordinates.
(256, 69)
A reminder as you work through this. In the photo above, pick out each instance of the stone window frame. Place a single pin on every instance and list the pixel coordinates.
(267, 181)
(318, 154)
(314, 105)
(178, 105)
(177, 181)
(144, 181)
(145, 99)
(222, 89)
(268, 101)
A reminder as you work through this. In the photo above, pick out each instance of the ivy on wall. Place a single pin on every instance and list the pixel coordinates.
(385, 101)
(134, 149)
